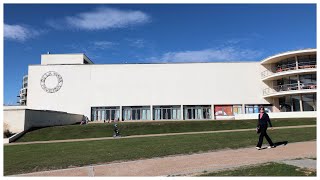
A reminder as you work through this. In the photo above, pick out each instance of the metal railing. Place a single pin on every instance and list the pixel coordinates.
(306, 65)
(311, 85)
(288, 67)
(289, 87)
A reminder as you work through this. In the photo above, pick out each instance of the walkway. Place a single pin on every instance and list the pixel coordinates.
(191, 164)
(152, 135)
(302, 163)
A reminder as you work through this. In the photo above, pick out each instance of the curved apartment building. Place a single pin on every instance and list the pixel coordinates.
(290, 80)
(22, 97)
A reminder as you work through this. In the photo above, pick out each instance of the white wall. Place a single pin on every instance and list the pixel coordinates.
(19, 120)
(85, 86)
(14, 119)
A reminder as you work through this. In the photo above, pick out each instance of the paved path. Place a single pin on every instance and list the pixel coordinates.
(152, 135)
(302, 163)
(191, 164)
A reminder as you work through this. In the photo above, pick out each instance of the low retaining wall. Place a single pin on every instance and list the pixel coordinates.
(19, 119)
(13, 138)
(306, 114)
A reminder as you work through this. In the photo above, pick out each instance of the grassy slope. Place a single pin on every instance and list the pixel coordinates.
(37, 157)
(268, 169)
(138, 128)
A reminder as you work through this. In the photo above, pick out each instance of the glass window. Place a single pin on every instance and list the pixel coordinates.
(237, 109)
(287, 84)
(268, 109)
(197, 112)
(285, 104)
(178, 113)
(308, 61)
(190, 113)
(104, 113)
(113, 115)
(148, 114)
(166, 112)
(174, 114)
(249, 109)
(156, 114)
(286, 64)
(309, 102)
(295, 103)
(308, 81)
(99, 115)
(108, 115)
(255, 108)
(137, 113)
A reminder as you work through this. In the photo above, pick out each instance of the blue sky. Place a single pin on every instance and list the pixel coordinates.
(138, 33)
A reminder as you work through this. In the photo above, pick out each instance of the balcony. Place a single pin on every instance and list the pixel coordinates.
(280, 70)
(290, 88)
(23, 91)
(23, 98)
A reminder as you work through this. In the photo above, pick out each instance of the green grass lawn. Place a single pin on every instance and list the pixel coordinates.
(268, 169)
(140, 128)
(38, 157)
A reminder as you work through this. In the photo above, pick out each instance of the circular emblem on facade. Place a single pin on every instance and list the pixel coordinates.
(51, 82)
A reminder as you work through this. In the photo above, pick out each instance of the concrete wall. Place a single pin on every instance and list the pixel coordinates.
(19, 120)
(13, 118)
(86, 86)
(306, 114)
(49, 118)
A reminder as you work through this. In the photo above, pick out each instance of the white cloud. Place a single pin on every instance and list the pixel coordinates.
(101, 19)
(103, 45)
(94, 45)
(209, 55)
(138, 43)
(19, 32)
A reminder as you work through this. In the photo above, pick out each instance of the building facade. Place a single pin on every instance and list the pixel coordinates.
(176, 91)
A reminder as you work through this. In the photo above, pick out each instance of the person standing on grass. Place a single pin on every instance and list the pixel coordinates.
(263, 120)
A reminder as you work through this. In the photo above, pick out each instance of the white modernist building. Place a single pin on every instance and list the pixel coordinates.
(180, 91)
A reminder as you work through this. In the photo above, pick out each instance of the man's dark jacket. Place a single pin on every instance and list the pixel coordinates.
(264, 120)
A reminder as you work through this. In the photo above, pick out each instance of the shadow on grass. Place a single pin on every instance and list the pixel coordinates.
(38, 128)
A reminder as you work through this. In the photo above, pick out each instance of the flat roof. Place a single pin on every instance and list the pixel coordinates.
(225, 62)
(267, 60)
(287, 54)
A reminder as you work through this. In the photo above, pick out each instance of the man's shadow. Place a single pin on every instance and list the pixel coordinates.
(276, 144)
(280, 143)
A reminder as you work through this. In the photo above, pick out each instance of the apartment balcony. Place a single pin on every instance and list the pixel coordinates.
(289, 69)
(290, 89)
(25, 78)
(23, 91)
(23, 98)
